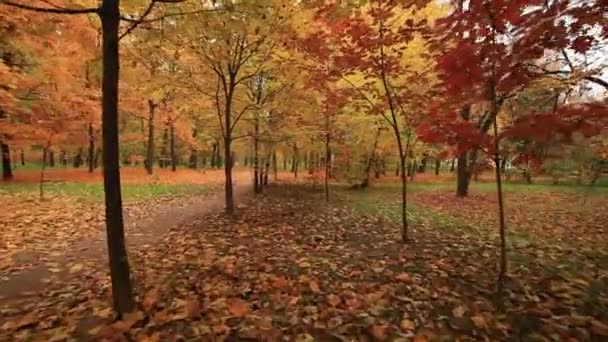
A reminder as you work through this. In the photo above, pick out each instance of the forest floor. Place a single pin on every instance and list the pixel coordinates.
(291, 266)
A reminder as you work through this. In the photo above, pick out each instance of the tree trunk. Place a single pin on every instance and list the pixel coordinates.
(172, 146)
(91, 149)
(162, 161)
(150, 145)
(501, 217)
(64, 158)
(45, 156)
(327, 158)
(78, 158)
(51, 156)
(296, 161)
(7, 170)
(42, 166)
(462, 172)
(257, 184)
(267, 167)
(274, 164)
(119, 265)
(422, 166)
(437, 166)
(452, 165)
(227, 148)
(22, 154)
(96, 159)
(413, 170)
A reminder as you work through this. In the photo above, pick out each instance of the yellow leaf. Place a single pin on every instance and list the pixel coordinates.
(407, 324)
(304, 338)
(76, 268)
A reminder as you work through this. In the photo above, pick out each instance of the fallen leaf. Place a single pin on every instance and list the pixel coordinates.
(599, 328)
(458, 311)
(238, 307)
(334, 300)
(76, 268)
(404, 277)
(379, 331)
(407, 324)
(314, 286)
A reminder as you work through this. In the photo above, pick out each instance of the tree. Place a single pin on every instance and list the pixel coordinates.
(235, 46)
(371, 46)
(110, 16)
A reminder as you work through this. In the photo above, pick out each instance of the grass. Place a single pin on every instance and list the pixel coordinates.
(94, 191)
(384, 201)
(507, 186)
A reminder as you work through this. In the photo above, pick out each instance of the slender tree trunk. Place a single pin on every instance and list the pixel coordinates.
(257, 184)
(267, 167)
(412, 172)
(501, 217)
(296, 161)
(172, 146)
(463, 174)
(213, 155)
(437, 166)
(22, 154)
(327, 157)
(193, 160)
(274, 164)
(91, 149)
(78, 158)
(45, 157)
(162, 162)
(150, 145)
(96, 159)
(7, 170)
(462, 171)
(42, 166)
(227, 148)
(117, 252)
(51, 155)
(452, 168)
(422, 167)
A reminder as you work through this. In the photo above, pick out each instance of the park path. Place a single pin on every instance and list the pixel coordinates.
(143, 229)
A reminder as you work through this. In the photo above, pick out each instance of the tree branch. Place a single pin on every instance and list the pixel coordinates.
(54, 9)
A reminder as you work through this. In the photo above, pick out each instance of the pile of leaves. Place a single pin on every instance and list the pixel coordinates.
(289, 266)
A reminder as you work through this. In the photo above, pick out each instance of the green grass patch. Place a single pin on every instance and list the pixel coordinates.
(93, 192)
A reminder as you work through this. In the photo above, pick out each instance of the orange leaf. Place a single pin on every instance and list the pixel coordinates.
(314, 287)
(238, 307)
(404, 277)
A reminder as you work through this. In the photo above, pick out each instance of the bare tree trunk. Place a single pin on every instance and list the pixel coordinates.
(42, 166)
(150, 145)
(96, 159)
(7, 170)
(274, 164)
(162, 162)
(437, 166)
(119, 265)
(91, 149)
(501, 217)
(51, 156)
(172, 146)
(257, 184)
(327, 157)
(78, 158)
(22, 155)
(193, 161)
(452, 168)
(463, 174)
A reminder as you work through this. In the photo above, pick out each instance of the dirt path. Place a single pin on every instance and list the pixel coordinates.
(143, 229)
